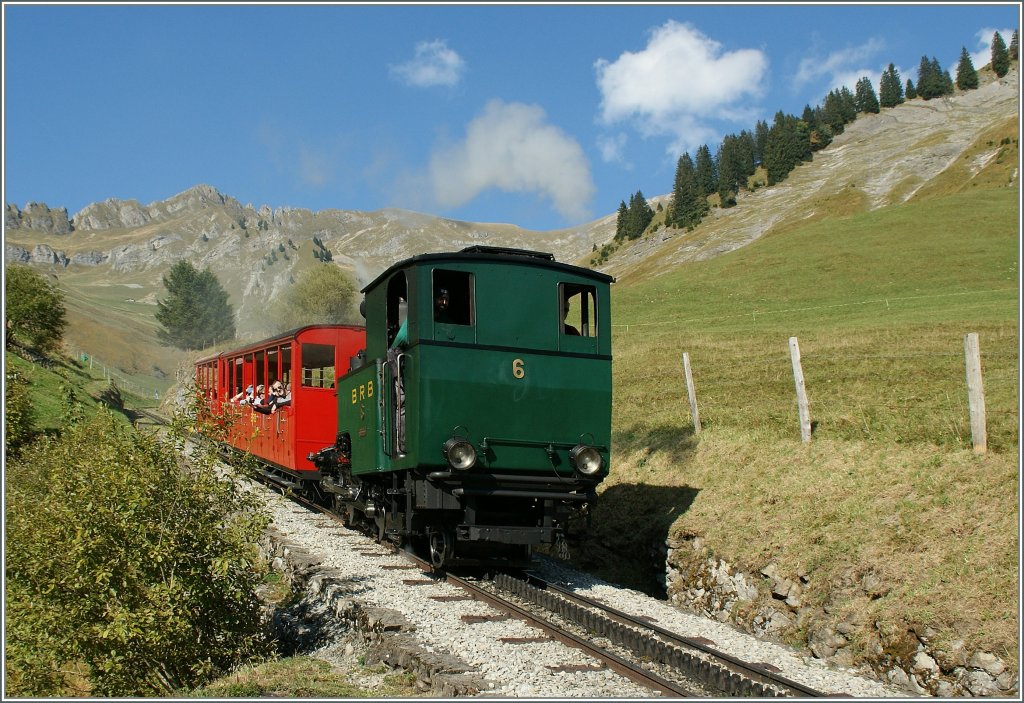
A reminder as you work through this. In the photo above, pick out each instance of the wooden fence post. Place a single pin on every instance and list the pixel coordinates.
(691, 393)
(975, 393)
(801, 391)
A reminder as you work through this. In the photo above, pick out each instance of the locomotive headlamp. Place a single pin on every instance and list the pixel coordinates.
(459, 453)
(587, 460)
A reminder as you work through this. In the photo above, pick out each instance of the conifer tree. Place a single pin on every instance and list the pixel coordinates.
(726, 173)
(1013, 46)
(196, 312)
(890, 90)
(621, 221)
(688, 205)
(638, 216)
(911, 91)
(707, 177)
(966, 76)
(760, 137)
(866, 99)
(1000, 55)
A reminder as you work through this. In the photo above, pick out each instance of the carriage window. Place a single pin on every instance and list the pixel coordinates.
(453, 297)
(578, 309)
(272, 366)
(258, 366)
(318, 365)
(286, 364)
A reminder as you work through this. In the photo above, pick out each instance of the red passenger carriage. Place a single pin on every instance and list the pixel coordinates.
(311, 359)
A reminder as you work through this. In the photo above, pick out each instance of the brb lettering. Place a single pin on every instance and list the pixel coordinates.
(362, 392)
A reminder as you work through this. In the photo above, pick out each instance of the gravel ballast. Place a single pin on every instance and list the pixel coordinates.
(405, 625)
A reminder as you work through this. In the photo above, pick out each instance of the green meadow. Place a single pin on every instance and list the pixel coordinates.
(880, 303)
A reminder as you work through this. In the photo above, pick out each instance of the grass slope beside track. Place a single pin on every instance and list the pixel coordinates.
(880, 302)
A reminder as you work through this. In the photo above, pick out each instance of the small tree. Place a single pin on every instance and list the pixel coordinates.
(1000, 55)
(911, 91)
(34, 309)
(196, 312)
(966, 76)
(1014, 49)
(321, 295)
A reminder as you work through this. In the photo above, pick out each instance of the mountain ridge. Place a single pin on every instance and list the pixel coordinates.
(912, 151)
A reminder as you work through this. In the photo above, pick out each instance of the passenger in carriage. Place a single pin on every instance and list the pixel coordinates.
(269, 404)
(243, 397)
(284, 400)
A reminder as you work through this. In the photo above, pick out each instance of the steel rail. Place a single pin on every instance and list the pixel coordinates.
(754, 672)
(613, 662)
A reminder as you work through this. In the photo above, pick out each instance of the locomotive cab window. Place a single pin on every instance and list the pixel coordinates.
(453, 297)
(577, 310)
(397, 305)
(318, 365)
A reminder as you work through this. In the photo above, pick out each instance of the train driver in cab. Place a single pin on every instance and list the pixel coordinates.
(566, 327)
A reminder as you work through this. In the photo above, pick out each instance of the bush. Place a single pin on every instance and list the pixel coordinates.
(131, 565)
(19, 415)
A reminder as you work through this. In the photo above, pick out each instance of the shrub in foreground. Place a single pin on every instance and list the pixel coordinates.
(131, 566)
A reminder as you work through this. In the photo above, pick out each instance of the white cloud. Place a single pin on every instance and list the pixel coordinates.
(850, 78)
(434, 64)
(613, 147)
(680, 80)
(838, 64)
(511, 147)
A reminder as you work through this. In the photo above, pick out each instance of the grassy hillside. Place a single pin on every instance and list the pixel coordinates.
(880, 302)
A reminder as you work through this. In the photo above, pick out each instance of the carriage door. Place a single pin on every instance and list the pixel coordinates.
(397, 331)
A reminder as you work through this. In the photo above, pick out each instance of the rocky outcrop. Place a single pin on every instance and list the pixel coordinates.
(41, 254)
(773, 604)
(38, 217)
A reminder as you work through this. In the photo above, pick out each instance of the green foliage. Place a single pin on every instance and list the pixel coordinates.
(932, 81)
(321, 294)
(911, 90)
(865, 96)
(196, 312)
(19, 415)
(966, 76)
(34, 309)
(132, 566)
(789, 143)
(890, 90)
(689, 204)
(1000, 55)
(1014, 46)
(632, 221)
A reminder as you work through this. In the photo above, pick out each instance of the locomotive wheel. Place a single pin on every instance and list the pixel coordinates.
(441, 547)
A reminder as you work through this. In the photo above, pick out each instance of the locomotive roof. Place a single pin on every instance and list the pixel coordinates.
(494, 254)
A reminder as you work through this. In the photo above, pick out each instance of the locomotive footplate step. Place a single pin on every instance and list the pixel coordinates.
(573, 668)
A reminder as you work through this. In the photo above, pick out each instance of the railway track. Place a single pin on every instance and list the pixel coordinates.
(671, 664)
(692, 658)
(668, 663)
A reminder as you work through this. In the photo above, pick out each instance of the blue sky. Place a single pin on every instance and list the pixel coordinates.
(545, 116)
